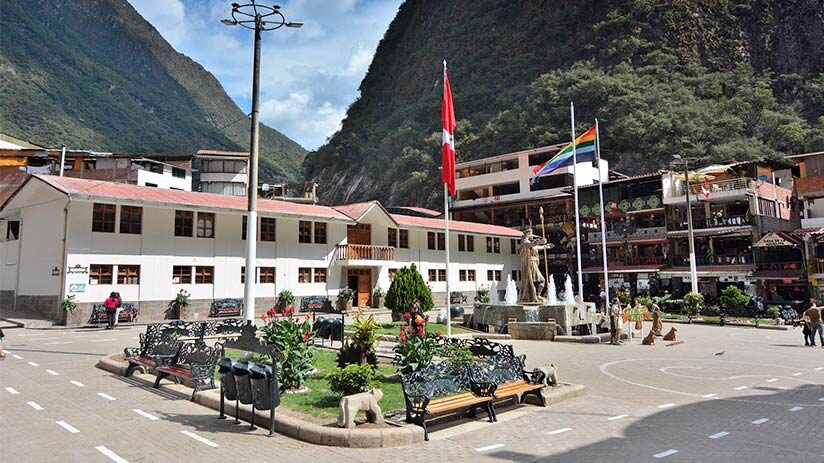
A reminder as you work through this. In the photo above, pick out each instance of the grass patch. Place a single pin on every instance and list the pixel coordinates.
(321, 402)
(395, 327)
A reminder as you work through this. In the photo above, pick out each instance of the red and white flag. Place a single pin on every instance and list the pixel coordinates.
(448, 120)
(705, 189)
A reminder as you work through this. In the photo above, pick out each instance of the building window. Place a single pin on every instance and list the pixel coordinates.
(441, 241)
(320, 275)
(392, 272)
(513, 246)
(218, 166)
(131, 219)
(242, 274)
(184, 223)
(320, 233)
(436, 239)
(181, 275)
(466, 243)
(392, 237)
(205, 225)
(128, 274)
(470, 275)
(493, 245)
(514, 275)
(442, 275)
(13, 230)
(433, 274)
(177, 172)
(461, 275)
(493, 275)
(461, 243)
(403, 239)
(267, 229)
(266, 274)
(100, 274)
(103, 218)
(243, 228)
(304, 232)
(224, 188)
(430, 240)
(204, 275)
(304, 275)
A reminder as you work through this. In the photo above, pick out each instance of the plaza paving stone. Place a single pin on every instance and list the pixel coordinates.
(619, 419)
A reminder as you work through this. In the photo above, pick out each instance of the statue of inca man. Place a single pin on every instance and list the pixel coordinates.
(533, 281)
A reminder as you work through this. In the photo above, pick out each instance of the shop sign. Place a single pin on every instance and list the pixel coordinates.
(77, 288)
(638, 204)
(772, 240)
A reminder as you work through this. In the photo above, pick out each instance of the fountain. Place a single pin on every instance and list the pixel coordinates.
(569, 296)
(551, 293)
(494, 297)
(511, 297)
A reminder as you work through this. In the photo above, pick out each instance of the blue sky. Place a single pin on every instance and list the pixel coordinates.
(309, 76)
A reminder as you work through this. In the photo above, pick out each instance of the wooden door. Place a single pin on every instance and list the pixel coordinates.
(364, 289)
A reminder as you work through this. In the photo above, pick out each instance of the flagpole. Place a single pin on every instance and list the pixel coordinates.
(446, 239)
(603, 206)
(577, 212)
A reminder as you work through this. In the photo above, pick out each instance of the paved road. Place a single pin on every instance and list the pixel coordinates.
(761, 401)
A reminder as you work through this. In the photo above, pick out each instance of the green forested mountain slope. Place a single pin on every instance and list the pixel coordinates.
(717, 79)
(93, 74)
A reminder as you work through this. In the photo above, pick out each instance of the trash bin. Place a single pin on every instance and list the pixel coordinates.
(265, 393)
(227, 379)
(240, 370)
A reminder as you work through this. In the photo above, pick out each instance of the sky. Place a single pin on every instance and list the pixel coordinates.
(309, 76)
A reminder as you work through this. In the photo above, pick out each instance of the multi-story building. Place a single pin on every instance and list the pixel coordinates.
(67, 236)
(223, 172)
(809, 189)
(733, 207)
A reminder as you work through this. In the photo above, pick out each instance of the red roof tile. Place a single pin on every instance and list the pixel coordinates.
(109, 190)
(355, 210)
(454, 225)
(421, 210)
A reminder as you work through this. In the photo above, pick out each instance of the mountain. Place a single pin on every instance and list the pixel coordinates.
(93, 74)
(718, 80)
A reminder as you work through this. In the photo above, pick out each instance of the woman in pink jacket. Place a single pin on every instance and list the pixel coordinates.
(111, 303)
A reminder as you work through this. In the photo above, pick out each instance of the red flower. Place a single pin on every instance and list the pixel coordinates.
(406, 316)
(426, 318)
(438, 334)
(307, 334)
(402, 336)
(288, 310)
(271, 312)
(404, 328)
(419, 329)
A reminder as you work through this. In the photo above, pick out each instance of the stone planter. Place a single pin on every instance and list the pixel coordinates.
(377, 302)
(345, 305)
(74, 318)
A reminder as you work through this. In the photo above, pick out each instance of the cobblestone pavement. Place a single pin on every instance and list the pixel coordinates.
(760, 401)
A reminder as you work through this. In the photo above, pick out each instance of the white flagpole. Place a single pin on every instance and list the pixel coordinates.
(577, 212)
(446, 239)
(603, 206)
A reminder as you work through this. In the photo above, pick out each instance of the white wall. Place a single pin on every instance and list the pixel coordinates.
(165, 180)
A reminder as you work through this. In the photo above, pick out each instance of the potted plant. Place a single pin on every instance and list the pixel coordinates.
(407, 287)
(179, 306)
(69, 305)
(345, 297)
(377, 297)
(285, 299)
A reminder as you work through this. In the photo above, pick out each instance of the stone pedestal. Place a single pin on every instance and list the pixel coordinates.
(541, 331)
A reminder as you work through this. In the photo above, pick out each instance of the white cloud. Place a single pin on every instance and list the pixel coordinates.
(309, 76)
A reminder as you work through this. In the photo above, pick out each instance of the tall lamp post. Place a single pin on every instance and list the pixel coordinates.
(258, 18)
(691, 237)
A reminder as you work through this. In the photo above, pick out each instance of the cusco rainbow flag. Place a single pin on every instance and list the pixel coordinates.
(584, 152)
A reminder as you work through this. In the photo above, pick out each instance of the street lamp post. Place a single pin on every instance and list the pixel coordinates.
(691, 238)
(258, 18)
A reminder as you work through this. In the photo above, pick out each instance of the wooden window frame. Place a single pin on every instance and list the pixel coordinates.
(392, 237)
(461, 275)
(489, 245)
(319, 275)
(179, 271)
(470, 243)
(103, 272)
(470, 275)
(131, 220)
(104, 217)
(431, 241)
(204, 274)
(268, 229)
(462, 243)
(441, 241)
(184, 222)
(208, 228)
(441, 274)
(319, 229)
(304, 232)
(432, 274)
(266, 275)
(513, 247)
(128, 274)
(304, 274)
(496, 245)
(403, 239)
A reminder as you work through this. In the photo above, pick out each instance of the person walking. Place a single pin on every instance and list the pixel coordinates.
(813, 314)
(615, 322)
(111, 303)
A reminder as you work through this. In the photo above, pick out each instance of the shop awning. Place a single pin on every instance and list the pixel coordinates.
(815, 231)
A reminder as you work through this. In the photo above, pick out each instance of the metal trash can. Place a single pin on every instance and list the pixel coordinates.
(265, 391)
(240, 370)
(228, 388)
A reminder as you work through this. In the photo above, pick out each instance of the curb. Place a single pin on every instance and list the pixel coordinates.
(568, 391)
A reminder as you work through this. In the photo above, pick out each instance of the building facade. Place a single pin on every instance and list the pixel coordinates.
(223, 172)
(67, 236)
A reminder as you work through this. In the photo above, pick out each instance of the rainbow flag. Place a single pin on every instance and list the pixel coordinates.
(584, 152)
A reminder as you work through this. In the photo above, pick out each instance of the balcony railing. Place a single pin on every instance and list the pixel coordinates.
(714, 187)
(638, 233)
(731, 259)
(715, 222)
(625, 261)
(780, 266)
(365, 252)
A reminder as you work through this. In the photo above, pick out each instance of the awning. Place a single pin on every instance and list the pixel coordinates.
(815, 231)
(788, 274)
(743, 229)
(778, 239)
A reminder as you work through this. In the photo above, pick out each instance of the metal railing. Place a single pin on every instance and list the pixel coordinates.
(639, 232)
(715, 222)
(730, 259)
(679, 187)
(365, 252)
(780, 266)
(626, 261)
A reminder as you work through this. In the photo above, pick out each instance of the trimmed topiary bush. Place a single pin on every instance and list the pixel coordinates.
(407, 287)
(353, 379)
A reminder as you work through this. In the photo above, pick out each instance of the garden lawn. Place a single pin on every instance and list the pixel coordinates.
(395, 327)
(319, 401)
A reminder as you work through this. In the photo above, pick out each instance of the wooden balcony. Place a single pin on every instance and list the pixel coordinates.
(365, 252)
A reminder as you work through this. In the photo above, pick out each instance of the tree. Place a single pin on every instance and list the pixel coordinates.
(733, 298)
(694, 302)
(408, 286)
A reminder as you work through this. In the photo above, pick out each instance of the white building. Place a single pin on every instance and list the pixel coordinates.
(68, 236)
(223, 172)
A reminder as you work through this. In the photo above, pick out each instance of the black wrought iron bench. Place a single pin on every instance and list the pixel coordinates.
(198, 331)
(195, 362)
(128, 313)
(226, 308)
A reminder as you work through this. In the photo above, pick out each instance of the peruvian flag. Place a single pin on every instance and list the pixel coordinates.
(448, 120)
(705, 189)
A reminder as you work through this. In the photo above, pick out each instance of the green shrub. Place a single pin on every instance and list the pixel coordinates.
(285, 298)
(483, 295)
(456, 355)
(693, 302)
(711, 311)
(773, 311)
(346, 293)
(360, 348)
(733, 299)
(293, 337)
(407, 287)
(646, 301)
(352, 380)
